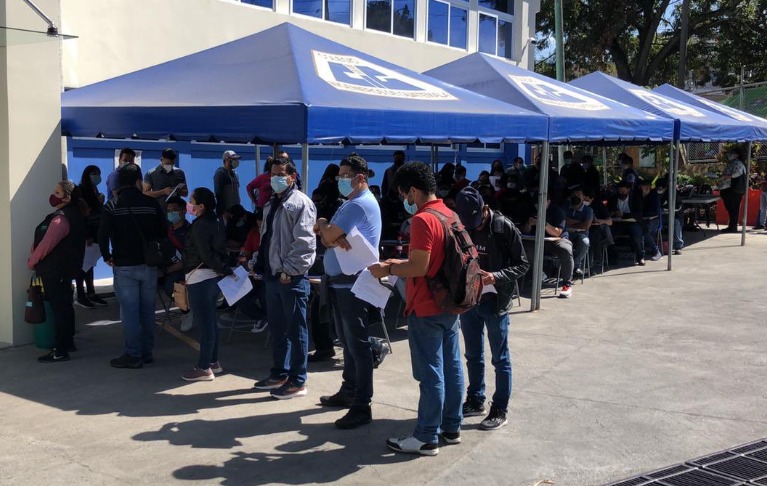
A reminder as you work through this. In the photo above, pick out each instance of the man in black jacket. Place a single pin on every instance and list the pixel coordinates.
(627, 211)
(503, 260)
(127, 222)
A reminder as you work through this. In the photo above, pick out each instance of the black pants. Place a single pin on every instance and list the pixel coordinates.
(58, 291)
(85, 282)
(321, 321)
(732, 202)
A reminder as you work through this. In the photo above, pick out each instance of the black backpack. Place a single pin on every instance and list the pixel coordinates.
(457, 287)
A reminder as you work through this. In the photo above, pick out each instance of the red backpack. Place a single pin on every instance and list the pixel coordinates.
(457, 286)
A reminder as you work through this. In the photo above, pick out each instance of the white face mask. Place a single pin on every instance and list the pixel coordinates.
(168, 167)
(587, 203)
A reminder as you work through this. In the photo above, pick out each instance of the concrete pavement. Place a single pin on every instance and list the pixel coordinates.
(642, 368)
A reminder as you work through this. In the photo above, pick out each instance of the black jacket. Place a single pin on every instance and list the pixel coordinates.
(508, 260)
(636, 204)
(66, 258)
(118, 227)
(205, 244)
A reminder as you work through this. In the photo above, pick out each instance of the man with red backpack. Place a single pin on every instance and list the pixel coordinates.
(432, 325)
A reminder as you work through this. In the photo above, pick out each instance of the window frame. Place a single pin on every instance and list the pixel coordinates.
(465, 6)
(498, 16)
(324, 13)
(391, 21)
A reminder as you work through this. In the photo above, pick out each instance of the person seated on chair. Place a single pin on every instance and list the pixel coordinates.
(627, 204)
(238, 224)
(578, 220)
(651, 216)
(172, 247)
(556, 243)
(600, 232)
(661, 186)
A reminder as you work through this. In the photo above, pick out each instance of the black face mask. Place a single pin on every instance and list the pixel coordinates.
(623, 197)
(575, 200)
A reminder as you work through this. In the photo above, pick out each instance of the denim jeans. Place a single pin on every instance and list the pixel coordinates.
(203, 297)
(436, 359)
(634, 232)
(650, 242)
(473, 325)
(678, 241)
(762, 214)
(58, 291)
(136, 290)
(352, 327)
(563, 250)
(286, 313)
(581, 244)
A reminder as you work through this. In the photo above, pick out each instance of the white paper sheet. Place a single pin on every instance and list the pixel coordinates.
(369, 289)
(489, 289)
(92, 255)
(361, 255)
(235, 287)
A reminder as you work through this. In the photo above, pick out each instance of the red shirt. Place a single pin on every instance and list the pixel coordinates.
(264, 185)
(426, 234)
(253, 241)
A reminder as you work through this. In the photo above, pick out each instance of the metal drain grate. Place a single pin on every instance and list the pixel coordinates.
(719, 456)
(635, 482)
(697, 477)
(754, 446)
(741, 468)
(761, 455)
(669, 471)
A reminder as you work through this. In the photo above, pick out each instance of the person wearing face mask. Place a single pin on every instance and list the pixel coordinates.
(627, 204)
(629, 175)
(432, 332)
(651, 214)
(502, 261)
(57, 257)
(287, 252)
(127, 156)
(238, 225)
(351, 315)
(172, 270)
(94, 201)
(733, 187)
(226, 182)
(600, 233)
(591, 178)
(572, 171)
(578, 222)
(166, 178)
(127, 222)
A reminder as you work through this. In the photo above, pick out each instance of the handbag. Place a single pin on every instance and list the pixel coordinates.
(149, 248)
(181, 293)
(34, 313)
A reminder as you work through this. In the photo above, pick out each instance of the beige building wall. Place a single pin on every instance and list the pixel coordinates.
(30, 153)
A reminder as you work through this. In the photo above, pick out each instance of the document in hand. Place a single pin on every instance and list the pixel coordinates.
(360, 255)
(369, 289)
(91, 258)
(236, 286)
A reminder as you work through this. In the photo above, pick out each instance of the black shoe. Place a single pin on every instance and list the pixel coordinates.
(321, 355)
(54, 357)
(97, 300)
(147, 358)
(758, 227)
(355, 417)
(677, 252)
(495, 419)
(85, 303)
(222, 306)
(127, 361)
(473, 408)
(340, 399)
(71, 348)
(451, 438)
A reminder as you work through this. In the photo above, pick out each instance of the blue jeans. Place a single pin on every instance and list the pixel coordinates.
(473, 325)
(650, 243)
(203, 297)
(634, 232)
(580, 247)
(436, 360)
(352, 327)
(136, 290)
(762, 214)
(286, 313)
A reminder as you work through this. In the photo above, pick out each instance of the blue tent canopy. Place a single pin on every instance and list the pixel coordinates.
(575, 115)
(287, 85)
(691, 123)
(758, 124)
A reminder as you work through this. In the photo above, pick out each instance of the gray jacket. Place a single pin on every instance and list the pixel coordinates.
(293, 245)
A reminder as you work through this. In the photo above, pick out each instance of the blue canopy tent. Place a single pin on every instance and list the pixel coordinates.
(288, 85)
(691, 123)
(574, 115)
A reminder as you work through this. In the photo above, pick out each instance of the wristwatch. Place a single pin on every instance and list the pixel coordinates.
(284, 276)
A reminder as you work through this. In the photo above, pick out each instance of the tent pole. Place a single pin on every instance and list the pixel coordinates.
(745, 204)
(305, 166)
(275, 149)
(604, 165)
(540, 230)
(673, 166)
(258, 159)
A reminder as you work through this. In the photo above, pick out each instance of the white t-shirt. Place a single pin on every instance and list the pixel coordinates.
(200, 275)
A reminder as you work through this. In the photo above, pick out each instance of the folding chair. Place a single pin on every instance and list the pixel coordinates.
(168, 313)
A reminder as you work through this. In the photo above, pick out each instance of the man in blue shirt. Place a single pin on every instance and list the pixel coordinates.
(579, 219)
(351, 315)
(127, 156)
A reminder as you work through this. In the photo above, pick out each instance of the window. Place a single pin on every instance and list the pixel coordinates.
(494, 35)
(332, 10)
(260, 3)
(394, 16)
(503, 6)
(447, 24)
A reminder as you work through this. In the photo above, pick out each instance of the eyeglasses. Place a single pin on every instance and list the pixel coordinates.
(338, 178)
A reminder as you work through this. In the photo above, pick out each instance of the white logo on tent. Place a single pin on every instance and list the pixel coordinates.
(729, 111)
(666, 104)
(554, 95)
(350, 73)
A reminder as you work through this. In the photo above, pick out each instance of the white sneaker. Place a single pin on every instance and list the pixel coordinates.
(566, 292)
(656, 257)
(411, 445)
(187, 322)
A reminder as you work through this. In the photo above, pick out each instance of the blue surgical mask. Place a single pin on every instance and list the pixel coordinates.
(345, 186)
(95, 179)
(410, 208)
(279, 184)
(174, 217)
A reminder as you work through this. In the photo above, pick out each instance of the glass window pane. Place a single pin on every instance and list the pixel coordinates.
(504, 39)
(313, 8)
(487, 34)
(379, 15)
(404, 18)
(260, 3)
(505, 6)
(438, 13)
(338, 11)
(459, 20)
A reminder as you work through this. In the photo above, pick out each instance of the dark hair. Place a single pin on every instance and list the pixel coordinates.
(587, 158)
(357, 164)
(662, 182)
(735, 149)
(85, 179)
(204, 196)
(87, 189)
(236, 211)
(623, 184)
(176, 200)
(285, 160)
(169, 154)
(567, 152)
(331, 171)
(588, 192)
(461, 169)
(268, 164)
(129, 175)
(519, 159)
(398, 153)
(128, 151)
(417, 175)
